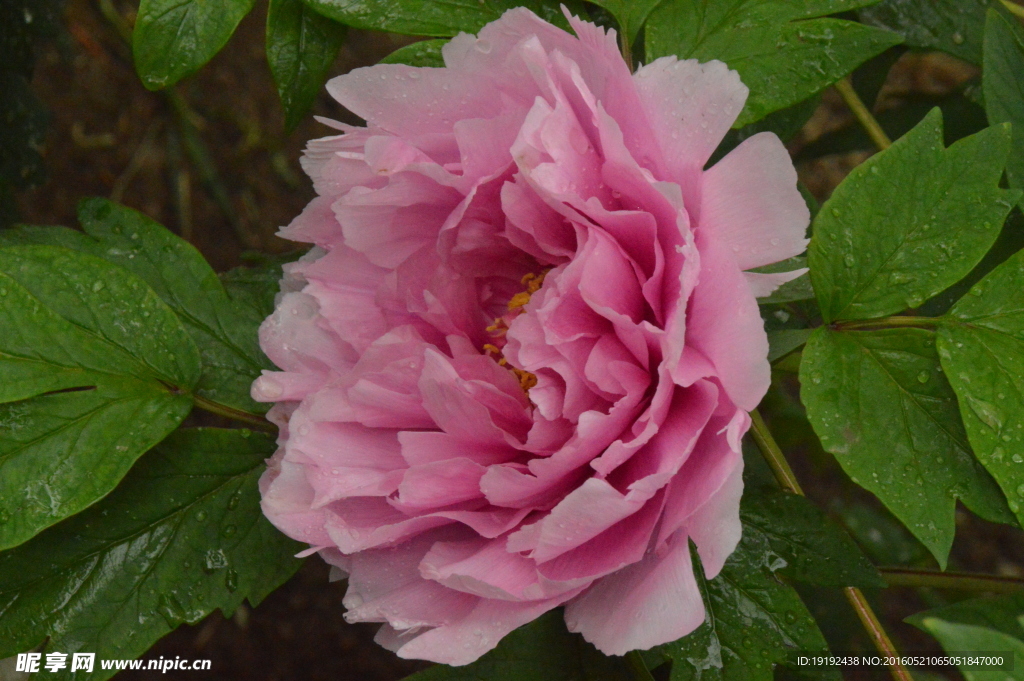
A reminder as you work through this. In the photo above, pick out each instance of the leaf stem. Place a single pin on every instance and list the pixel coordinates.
(894, 322)
(773, 454)
(864, 117)
(257, 422)
(638, 666)
(877, 633)
(784, 474)
(965, 581)
(1014, 8)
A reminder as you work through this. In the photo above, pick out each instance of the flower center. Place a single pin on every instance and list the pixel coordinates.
(497, 330)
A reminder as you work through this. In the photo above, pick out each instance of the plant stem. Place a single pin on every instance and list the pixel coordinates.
(776, 460)
(869, 123)
(963, 581)
(784, 474)
(1014, 8)
(637, 665)
(894, 322)
(254, 421)
(877, 633)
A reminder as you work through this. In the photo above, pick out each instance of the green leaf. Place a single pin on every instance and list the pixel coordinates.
(422, 53)
(954, 26)
(181, 536)
(1001, 613)
(631, 14)
(981, 343)
(957, 638)
(801, 542)
(173, 38)
(94, 370)
(909, 222)
(542, 649)
(980, 625)
(437, 18)
(793, 290)
(301, 46)
(785, 341)
(1003, 85)
(753, 622)
(880, 403)
(257, 285)
(783, 52)
(224, 331)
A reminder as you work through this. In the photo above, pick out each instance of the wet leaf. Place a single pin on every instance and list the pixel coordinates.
(785, 341)
(173, 38)
(180, 537)
(783, 52)
(301, 46)
(909, 222)
(981, 343)
(224, 331)
(801, 542)
(423, 53)
(542, 649)
(94, 370)
(980, 625)
(880, 403)
(1003, 85)
(753, 622)
(954, 26)
(631, 14)
(438, 18)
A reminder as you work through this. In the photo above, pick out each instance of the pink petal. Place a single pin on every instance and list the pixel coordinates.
(466, 640)
(690, 107)
(441, 483)
(652, 602)
(751, 204)
(735, 343)
(407, 100)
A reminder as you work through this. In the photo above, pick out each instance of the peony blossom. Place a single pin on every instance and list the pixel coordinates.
(517, 364)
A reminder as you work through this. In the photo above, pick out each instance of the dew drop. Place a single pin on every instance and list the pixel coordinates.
(958, 38)
(922, 377)
(849, 260)
(230, 530)
(97, 286)
(231, 580)
(201, 516)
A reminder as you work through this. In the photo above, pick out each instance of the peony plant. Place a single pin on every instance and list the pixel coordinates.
(510, 389)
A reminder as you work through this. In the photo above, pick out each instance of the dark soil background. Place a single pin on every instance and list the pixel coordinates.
(108, 136)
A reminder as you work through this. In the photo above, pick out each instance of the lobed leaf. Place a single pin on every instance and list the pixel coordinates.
(224, 331)
(437, 18)
(981, 345)
(800, 542)
(880, 403)
(980, 625)
(173, 38)
(782, 49)
(1003, 85)
(953, 26)
(909, 222)
(301, 46)
(631, 14)
(94, 370)
(181, 536)
(753, 622)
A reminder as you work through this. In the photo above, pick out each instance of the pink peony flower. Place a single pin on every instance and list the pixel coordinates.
(516, 367)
